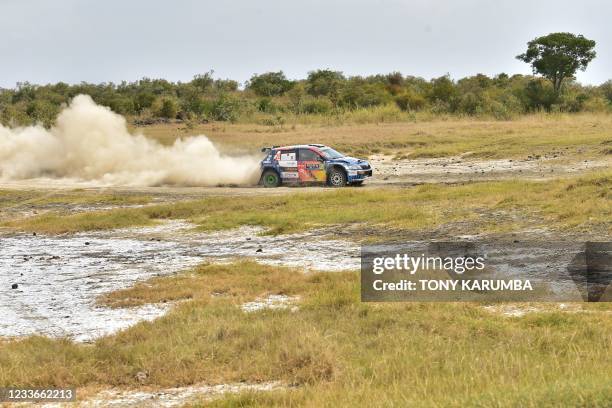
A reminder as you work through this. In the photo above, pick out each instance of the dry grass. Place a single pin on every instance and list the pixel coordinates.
(56, 198)
(582, 135)
(338, 351)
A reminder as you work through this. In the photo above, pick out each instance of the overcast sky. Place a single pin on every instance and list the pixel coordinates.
(44, 41)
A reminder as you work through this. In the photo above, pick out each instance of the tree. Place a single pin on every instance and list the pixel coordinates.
(558, 56)
(443, 89)
(270, 84)
(324, 82)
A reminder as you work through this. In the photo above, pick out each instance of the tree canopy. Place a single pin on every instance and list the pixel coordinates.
(558, 56)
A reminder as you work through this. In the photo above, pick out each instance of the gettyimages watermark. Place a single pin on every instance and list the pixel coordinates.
(487, 271)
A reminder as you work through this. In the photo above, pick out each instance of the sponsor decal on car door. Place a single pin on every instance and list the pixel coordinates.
(288, 165)
(311, 167)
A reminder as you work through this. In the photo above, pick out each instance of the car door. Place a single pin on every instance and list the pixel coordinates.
(311, 166)
(286, 160)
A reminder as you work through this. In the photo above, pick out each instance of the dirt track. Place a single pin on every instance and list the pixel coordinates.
(387, 173)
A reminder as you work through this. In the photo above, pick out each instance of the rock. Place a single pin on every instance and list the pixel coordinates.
(34, 234)
(141, 376)
(259, 250)
(248, 239)
(14, 286)
(86, 243)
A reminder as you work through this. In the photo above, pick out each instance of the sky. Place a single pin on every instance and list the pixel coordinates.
(72, 41)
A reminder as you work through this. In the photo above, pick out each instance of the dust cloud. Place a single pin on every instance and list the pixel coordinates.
(90, 142)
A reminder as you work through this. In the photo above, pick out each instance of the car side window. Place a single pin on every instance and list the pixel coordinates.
(308, 155)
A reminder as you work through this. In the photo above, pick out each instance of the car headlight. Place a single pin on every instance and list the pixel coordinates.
(354, 167)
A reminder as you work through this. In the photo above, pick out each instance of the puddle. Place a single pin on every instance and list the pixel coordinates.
(271, 302)
(58, 278)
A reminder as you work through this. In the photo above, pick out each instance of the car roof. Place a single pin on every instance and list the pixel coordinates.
(302, 146)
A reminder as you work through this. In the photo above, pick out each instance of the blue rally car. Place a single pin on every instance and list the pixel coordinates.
(311, 164)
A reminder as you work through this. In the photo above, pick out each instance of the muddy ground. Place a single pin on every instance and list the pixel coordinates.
(59, 278)
(461, 169)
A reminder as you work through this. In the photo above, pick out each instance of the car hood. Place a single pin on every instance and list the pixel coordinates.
(349, 160)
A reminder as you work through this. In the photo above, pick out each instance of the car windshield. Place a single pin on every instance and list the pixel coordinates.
(331, 153)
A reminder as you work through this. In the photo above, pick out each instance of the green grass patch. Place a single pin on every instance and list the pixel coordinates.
(577, 204)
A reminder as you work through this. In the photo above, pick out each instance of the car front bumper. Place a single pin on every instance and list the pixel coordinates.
(358, 175)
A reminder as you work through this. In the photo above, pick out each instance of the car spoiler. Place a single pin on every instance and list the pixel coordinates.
(267, 149)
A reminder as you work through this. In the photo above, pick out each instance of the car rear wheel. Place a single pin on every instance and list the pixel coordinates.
(270, 178)
(337, 178)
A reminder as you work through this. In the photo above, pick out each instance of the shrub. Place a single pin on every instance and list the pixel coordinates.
(203, 81)
(41, 111)
(273, 121)
(324, 82)
(267, 105)
(122, 105)
(143, 100)
(269, 84)
(410, 101)
(539, 94)
(596, 104)
(606, 90)
(166, 108)
(317, 105)
(470, 103)
(443, 90)
(357, 93)
(226, 108)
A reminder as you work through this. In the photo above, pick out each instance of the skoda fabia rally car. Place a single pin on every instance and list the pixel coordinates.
(311, 164)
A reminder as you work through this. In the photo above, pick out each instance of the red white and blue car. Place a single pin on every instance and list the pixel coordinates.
(311, 164)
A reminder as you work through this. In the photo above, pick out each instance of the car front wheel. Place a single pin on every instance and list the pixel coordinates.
(337, 178)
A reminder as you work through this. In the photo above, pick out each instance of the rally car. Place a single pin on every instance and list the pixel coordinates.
(311, 164)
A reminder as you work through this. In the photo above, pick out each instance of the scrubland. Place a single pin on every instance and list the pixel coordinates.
(334, 350)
